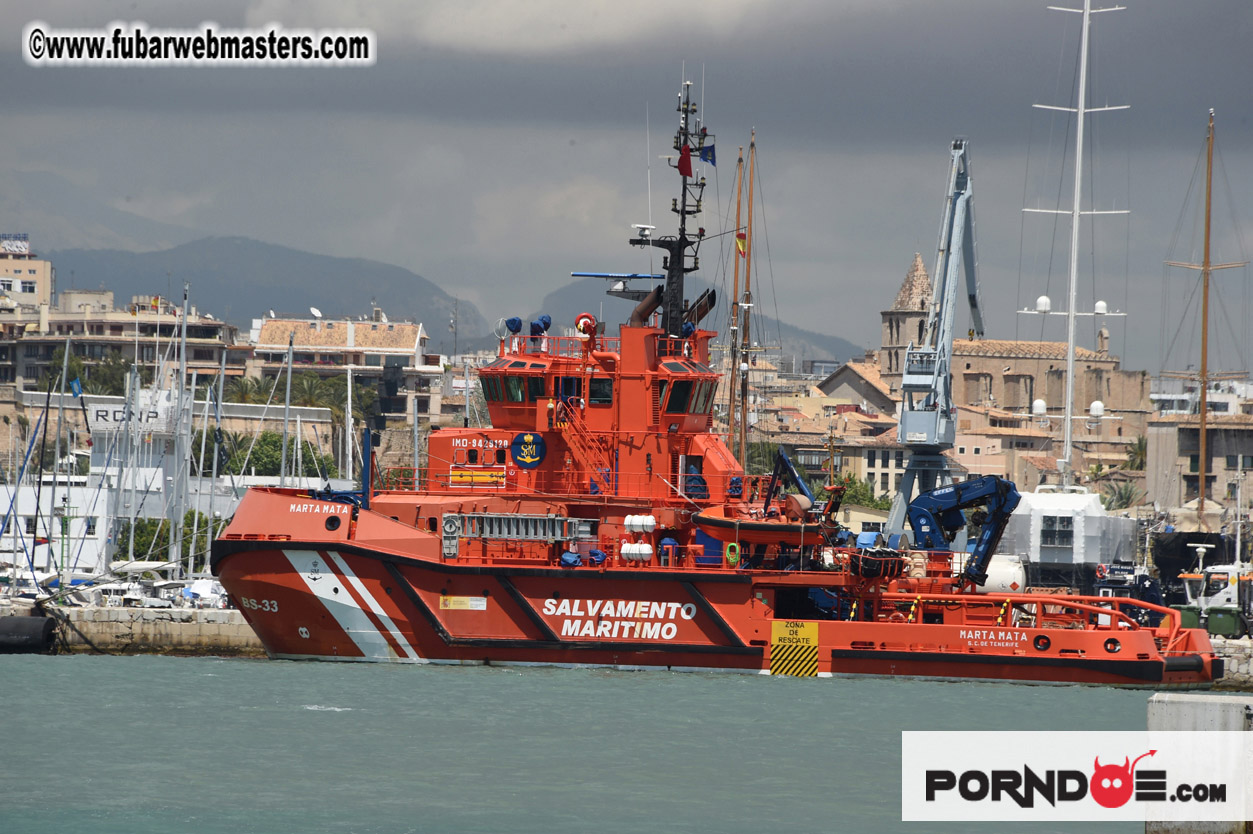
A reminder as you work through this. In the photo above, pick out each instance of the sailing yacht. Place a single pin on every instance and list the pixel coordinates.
(1063, 528)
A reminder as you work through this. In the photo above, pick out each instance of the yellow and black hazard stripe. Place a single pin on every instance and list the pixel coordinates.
(797, 660)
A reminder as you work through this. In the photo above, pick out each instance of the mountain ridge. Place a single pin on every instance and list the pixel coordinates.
(238, 279)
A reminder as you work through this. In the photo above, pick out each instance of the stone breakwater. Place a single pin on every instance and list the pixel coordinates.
(1238, 657)
(157, 631)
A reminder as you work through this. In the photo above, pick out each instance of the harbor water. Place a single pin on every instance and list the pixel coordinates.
(161, 744)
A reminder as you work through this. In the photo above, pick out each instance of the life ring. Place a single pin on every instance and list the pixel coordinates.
(1102, 570)
(732, 554)
(585, 323)
(896, 617)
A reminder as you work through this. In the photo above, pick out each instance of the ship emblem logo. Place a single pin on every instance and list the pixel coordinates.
(528, 450)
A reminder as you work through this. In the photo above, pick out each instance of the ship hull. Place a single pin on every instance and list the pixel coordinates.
(338, 601)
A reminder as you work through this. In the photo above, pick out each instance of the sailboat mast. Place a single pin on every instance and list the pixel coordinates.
(733, 335)
(1202, 467)
(181, 441)
(1206, 266)
(1067, 462)
(748, 298)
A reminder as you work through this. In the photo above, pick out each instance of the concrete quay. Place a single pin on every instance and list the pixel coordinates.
(179, 631)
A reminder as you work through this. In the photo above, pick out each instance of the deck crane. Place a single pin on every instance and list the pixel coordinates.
(927, 426)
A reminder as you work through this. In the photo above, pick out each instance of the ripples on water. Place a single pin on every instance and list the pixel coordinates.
(156, 744)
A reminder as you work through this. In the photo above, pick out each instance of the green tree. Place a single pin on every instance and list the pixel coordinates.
(1137, 454)
(308, 390)
(1119, 496)
(267, 455)
(110, 375)
(761, 455)
(364, 398)
(857, 491)
(44, 455)
(73, 370)
(246, 389)
(152, 536)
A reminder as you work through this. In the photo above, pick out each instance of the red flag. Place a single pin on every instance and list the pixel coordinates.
(685, 161)
(741, 243)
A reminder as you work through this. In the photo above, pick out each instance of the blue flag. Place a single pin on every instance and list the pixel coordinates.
(707, 155)
(76, 387)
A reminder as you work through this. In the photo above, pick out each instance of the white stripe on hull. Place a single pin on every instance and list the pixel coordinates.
(360, 588)
(322, 582)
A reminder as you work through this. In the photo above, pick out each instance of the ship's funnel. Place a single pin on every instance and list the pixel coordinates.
(639, 316)
(702, 307)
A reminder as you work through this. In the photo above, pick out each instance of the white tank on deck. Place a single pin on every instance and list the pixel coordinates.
(1005, 576)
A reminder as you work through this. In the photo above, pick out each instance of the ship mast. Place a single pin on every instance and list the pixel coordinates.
(1066, 462)
(1206, 268)
(746, 342)
(733, 335)
(1205, 271)
(686, 139)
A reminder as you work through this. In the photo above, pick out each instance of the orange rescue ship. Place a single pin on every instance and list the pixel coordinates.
(601, 521)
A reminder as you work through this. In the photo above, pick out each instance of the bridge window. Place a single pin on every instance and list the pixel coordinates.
(513, 389)
(702, 403)
(535, 388)
(600, 391)
(680, 392)
(491, 388)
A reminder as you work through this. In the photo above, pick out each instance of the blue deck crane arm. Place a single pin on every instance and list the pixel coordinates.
(937, 516)
(785, 470)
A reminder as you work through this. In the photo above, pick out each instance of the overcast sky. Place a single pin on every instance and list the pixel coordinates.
(496, 146)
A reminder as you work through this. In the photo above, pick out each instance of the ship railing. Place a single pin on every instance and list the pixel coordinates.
(669, 346)
(692, 491)
(572, 347)
(403, 478)
(1057, 611)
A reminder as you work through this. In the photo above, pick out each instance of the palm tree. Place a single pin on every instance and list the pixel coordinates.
(1137, 454)
(96, 387)
(245, 389)
(1119, 496)
(310, 390)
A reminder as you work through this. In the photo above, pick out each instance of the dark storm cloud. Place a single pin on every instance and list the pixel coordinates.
(460, 157)
(872, 74)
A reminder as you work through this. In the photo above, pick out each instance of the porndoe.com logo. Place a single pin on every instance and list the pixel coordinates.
(1044, 776)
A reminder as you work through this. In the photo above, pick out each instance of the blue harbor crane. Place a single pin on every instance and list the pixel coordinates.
(928, 415)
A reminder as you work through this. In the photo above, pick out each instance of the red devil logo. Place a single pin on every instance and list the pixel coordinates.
(1111, 785)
